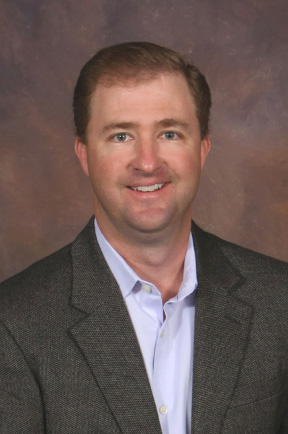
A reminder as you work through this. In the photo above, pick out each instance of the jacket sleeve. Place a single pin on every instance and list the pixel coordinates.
(21, 410)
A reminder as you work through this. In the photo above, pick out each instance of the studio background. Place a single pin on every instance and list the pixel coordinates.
(241, 47)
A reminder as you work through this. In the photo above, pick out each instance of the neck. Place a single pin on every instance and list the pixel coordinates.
(160, 262)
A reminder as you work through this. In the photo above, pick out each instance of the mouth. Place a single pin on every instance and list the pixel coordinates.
(148, 188)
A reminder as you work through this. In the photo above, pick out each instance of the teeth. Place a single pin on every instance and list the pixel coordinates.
(148, 187)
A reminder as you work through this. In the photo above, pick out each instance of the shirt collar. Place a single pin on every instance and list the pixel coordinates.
(126, 276)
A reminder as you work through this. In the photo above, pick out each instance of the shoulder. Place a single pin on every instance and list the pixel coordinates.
(36, 304)
(240, 257)
(49, 276)
(39, 281)
(257, 280)
(46, 286)
(253, 277)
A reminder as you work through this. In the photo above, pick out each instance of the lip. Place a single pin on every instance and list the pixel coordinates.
(147, 183)
(149, 188)
(148, 193)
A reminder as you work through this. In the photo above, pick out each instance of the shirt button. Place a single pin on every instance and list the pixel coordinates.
(162, 333)
(163, 409)
(146, 288)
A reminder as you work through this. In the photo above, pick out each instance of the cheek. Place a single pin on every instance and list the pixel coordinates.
(106, 170)
(97, 171)
(185, 164)
(96, 162)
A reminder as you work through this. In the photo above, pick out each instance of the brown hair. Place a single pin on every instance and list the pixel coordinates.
(139, 61)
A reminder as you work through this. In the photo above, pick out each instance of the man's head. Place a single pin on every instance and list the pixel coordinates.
(142, 139)
(136, 62)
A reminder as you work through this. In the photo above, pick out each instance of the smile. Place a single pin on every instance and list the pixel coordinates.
(149, 188)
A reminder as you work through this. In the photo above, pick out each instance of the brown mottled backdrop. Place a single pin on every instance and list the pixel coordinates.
(242, 49)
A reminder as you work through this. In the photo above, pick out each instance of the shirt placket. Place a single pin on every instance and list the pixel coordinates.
(161, 380)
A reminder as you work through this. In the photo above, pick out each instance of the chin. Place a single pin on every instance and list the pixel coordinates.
(151, 225)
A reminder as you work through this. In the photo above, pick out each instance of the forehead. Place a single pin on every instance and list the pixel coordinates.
(165, 94)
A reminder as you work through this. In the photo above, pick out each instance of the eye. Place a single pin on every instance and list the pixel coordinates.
(121, 137)
(170, 135)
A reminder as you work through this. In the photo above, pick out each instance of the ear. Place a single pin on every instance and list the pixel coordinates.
(205, 148)
(81, 152)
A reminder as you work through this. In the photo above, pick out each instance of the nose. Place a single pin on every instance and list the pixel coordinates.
(147, 157)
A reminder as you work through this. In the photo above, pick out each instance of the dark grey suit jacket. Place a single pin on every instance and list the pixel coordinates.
(70, 361)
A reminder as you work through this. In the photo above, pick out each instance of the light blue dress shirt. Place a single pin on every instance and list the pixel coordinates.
(167, 344)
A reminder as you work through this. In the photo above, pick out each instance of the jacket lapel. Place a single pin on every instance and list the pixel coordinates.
(222, 326)
(107, 338)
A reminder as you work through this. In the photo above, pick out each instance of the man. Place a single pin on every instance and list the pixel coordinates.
(117, 332)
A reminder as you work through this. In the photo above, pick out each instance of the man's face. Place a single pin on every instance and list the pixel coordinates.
(144, 155)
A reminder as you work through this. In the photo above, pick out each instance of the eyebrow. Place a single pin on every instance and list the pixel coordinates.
(118, 126)
(170, 122)
(164, 123)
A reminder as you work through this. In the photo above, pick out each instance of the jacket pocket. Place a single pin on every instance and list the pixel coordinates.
(257, 391)
(256, 408)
